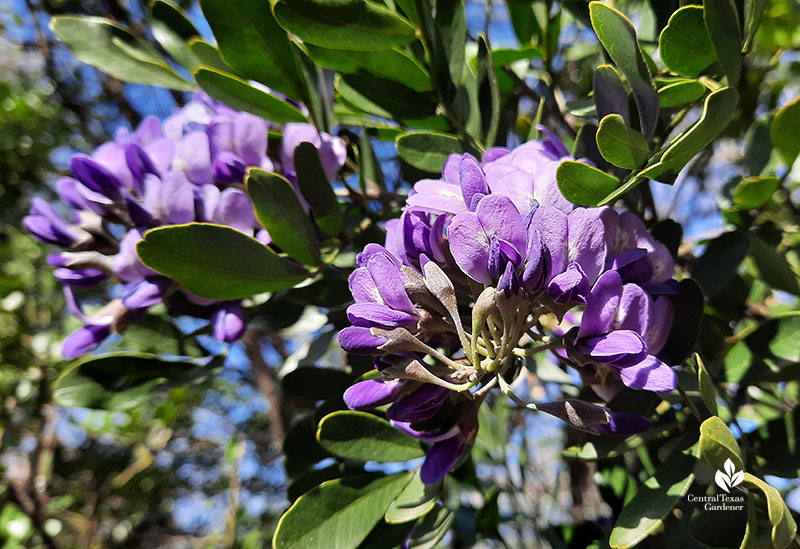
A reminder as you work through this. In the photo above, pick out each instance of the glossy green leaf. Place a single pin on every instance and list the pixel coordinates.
(752, 17)
(707, 390)
(719, 262)
(394, 64)
(754, 192)
(784, 527)
(339, 513)
(281, 214)
(386, 535)
(119, 381)
(114, 50)
(660, 493)
(432, 528)
(316, 189)
(582, 184)
(620, 144)
(173, 29)
(784, 134)
(717, 444)
(414, 501)
(718, 110)
(676, 94)
(365, 437)
(684, 43)
(722, 22)
(237, 93)
(216, 262)
(610, 96)
(427, 151)
(344, 24)
(773, 266)
(488, 93)
(253, 43)
(208, 55)
(618, 37)
(384, 98)
(769, 353)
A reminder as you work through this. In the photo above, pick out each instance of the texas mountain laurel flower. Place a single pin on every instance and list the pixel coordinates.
(482, 269)
(189, 168)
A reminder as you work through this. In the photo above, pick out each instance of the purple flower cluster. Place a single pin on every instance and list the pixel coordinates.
(479, 262)
(188, 168)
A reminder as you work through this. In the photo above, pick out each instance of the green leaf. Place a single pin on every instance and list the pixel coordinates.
(216, 262)
(719, 262)
(253, 43)
(717, 444)
(749, 539)
(707, 390)
(620, 144)
(281, 214)
(427, 151)
(384, 98)
(369, 168)
(114, 50)
(684, 43)
(659, 494)
(339, 513)
(722, 22)
(314, 383)
(344, 24)
(237, 93)
(394, 64)
(416, 500)
(582, 184)
(758, 145)
(172, 29)
(208, 55)
(686, 324)
(488, 94)
(432, 528)
(773, 266)
(754, 192)
(365, 437)
(488, 516)
(504, 56)
(386, 535)
(769, 353)
(119, 381)
(451, 41)
(676, 94)
(784, 134)
(316, 189)
(718, 110)
(618, 37)
(609, 93)
(784, 527)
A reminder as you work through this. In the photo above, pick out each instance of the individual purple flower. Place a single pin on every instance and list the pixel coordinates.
(229, 322)
(46, 224)
(332, 151)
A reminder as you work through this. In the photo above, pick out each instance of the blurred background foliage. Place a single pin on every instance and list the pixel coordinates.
(201, 465)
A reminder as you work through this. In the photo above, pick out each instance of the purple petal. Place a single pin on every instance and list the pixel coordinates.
(587, 241)
(552, 226)
(96, 177)
(371, 393)
(236, 210)
(662, 313)
(420, 405)
(621, 423)
(451, 168)
(437, 196)
(634, 310)
(471, 178)
(84, 339)
(493, 153)
(470, 247)
(633, 266)
(376, 314)
(621, 348)
(177, 197)
(570, 286)
(650, 375)
(363, 287)
(229, 168)
(145, 293)
(601, 305)
(193, 157)
(229, 322)
(441, 457)
(360, 341)
(45, 223)
(80, 278)
(389, 281)
(250, 138)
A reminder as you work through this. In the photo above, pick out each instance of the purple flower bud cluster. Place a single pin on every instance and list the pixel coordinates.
(479, 270)
(188, 168)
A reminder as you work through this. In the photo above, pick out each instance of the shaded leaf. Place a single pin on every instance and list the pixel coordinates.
(717, 445)
(620, 144)
(253, 43)
(431, 529)
(344, 510)
(754, 192)
(676, 94)
(684, 43)
(719, 262)
(618, 37)
(488, 93)
(707, 390)
(722, 22)
(427, 151)
(279, 211)
(114, 50)
(783, 131)
(685, 326)
(173, 29)
(237, 93)
(414, 501)
(216, 262)
(384, 98)
(609, 93)
(344, 24)
(208, 55)
(582, 184)
(315, 383)
(773, 266)
(365, 437)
